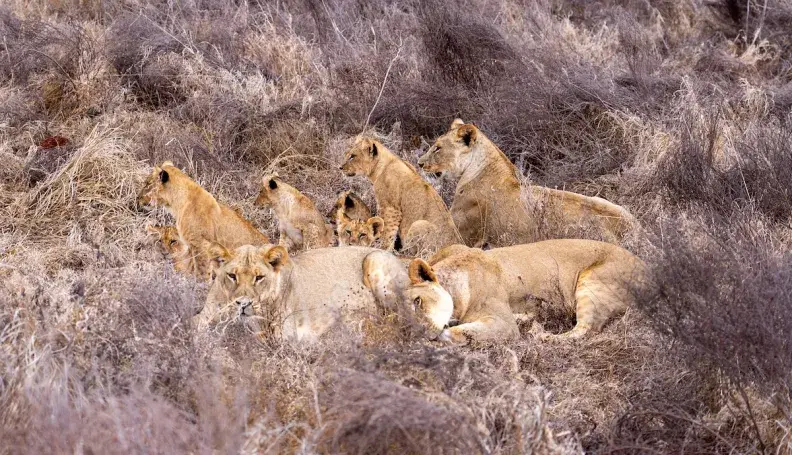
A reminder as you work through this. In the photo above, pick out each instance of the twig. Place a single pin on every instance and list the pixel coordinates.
(384, 81)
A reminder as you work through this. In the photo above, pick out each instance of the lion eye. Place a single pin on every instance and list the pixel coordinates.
(173, 242)
(351, 157)
(418, 302)
(348, 232)
(259, 278)
(360, 236)
(232, 277)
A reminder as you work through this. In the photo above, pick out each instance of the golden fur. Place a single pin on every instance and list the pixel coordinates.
(488, 206)
(199, 217)
(295, 298)
(300, 225)
(409, 206)
(483, 289)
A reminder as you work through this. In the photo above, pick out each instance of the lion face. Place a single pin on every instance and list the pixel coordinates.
(167, 238)
(429, 299)
(248, 278)
(449, 150)
(155, 187)
(270, 187)
(361, 157)
(360, 233)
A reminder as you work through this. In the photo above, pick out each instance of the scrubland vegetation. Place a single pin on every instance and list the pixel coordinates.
(677, 110)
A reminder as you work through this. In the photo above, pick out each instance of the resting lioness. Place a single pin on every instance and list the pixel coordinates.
(300, 297)
(300, 225)
(482, 289)
(488, 207)
(409, 206)
(199, 217)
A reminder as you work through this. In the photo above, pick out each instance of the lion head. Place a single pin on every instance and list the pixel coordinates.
(158, 185)
(362, 157)
(360, 233)
(247, 280)
(449, 150)
(167, 238)
(429, 299)
(350, 205)
(270, 189)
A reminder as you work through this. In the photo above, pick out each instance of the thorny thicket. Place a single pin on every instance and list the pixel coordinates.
(678, 110)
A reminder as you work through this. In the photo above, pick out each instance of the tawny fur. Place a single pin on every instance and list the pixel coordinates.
(300, 225)
(403, 198)
(349, 205)
(593, 280)
(199, 217)
(489, 207)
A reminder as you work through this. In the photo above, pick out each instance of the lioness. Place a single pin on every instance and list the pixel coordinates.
(300, 297)
(300, 225)
(170, 245)
(409, 206)
(488, 208)
(198, 215)
(482, 289)
(360, 233)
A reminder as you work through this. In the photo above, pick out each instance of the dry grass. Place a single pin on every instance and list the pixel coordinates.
(678, 110)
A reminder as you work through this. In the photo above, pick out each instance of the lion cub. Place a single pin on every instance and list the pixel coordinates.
(593, 280)
(199, 217)
(170, 245)
(349, 205)
(300, 225)
(360, 233)
(409, 206)
(488, 206)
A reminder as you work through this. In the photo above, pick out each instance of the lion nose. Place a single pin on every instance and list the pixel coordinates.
(243, 303)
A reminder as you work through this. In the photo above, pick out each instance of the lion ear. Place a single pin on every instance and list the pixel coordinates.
(421, 272)
(216, 253)
(377, 226)
(457, 123)
(373, 150)
(467, 133)
(276, 256)
(349, 202)
(164, 176)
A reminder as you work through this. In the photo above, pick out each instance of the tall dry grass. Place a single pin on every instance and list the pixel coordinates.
(678, 110)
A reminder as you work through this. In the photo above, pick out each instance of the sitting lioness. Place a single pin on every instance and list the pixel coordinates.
(300, 297)
(199, 217)
(409, 206)
(483, 289)
(488, 208)
(300, 225)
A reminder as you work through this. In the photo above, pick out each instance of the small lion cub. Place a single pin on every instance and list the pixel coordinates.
(300, 225)
(353, 232)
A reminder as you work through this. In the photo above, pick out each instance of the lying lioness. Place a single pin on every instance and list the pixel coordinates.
(300, 297)
(482, 290)
(489, 208)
